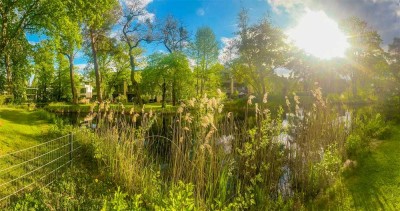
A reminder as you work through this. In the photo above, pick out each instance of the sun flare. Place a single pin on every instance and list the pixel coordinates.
(319, 36)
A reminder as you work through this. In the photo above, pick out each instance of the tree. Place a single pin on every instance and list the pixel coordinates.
(62, 83)
(227, 57)
(174, 36)
(100, 16)
(363, 52)
(16, 19)
(262, 49)
(44, 69)
(394, 51)
(168, 72)
(67, 34)
(204, 50)
(136, 28)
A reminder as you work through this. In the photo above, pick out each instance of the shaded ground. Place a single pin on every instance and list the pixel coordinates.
(375, 185)
(21, 129)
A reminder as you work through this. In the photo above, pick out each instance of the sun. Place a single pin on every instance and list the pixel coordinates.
(319, 36)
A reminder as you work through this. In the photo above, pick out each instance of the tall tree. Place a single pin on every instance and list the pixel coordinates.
(100, 17)
(262, 49)
(175, 37)
(18, 18)
(364, 49)
(67, 35)
(204, 50)
(227, 56)
(44, 69)
(168, 73)
(137, 27)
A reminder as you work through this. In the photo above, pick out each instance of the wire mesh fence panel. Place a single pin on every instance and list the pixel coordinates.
(35, 166)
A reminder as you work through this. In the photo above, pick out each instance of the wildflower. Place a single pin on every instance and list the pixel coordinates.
(249, 101)
(132, 110)
(229, 115)
(186, 129)
(265, 98)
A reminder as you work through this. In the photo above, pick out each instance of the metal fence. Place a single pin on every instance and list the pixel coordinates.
(34, 167)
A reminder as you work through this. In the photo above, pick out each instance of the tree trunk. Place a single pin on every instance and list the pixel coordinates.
(8, 72)
(135, 84)
(232, 86)
(174, 94)
(59, 85)
(96, 66)
(71, 74)
(164, 93)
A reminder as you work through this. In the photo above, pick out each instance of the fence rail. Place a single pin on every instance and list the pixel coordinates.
(36, 166)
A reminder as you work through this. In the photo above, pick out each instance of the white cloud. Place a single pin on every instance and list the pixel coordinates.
(33, 42)
(200, 12)
(80, 66)
(138, 7)
(192, 63)
(147, 16)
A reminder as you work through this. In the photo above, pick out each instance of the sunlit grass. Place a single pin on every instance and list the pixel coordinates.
(375, 185)
(71, 108)
(20, 128)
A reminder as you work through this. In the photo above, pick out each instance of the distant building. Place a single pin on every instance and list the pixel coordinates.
(87, 91)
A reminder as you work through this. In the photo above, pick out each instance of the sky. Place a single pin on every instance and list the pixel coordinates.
(221, 15)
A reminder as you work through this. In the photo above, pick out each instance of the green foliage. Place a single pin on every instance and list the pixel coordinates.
(204, 50)
(168, 74)
(260, 53)
(180, 197)
(367, 126)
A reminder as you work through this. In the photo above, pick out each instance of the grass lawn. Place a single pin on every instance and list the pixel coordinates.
(20, 129)
(375, 185)
(70, 108)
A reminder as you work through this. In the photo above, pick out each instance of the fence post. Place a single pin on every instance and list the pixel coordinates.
(71, 146)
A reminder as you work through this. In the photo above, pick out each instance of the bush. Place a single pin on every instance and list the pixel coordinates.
(121, 99)
(6, 99)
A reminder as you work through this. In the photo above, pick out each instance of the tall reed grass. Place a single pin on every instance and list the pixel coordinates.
(212, 159)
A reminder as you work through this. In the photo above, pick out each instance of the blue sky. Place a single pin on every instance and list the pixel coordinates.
(220, 15)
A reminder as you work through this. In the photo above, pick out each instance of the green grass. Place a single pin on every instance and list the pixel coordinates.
(375, 185)
(20, 128)
(71, 108)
